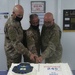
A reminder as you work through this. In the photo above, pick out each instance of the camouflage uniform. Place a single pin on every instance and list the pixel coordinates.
(51, 46)
(33, 41)
(13, 41)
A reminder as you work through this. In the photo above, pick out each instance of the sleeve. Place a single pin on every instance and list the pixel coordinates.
(18, 46)
(31, 42)
(53, 43)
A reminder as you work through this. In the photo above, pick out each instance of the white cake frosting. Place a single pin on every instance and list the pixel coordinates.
(33, 72)
(45, 69)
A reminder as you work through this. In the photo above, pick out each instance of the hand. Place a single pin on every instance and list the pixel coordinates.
(33, 57)
(39, 59)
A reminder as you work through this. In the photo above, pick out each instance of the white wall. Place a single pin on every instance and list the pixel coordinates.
(50, 6)
(3, 8)
(68, 38)
(54, 6)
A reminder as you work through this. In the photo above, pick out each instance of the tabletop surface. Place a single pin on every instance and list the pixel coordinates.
(73, 71)
(5, 72)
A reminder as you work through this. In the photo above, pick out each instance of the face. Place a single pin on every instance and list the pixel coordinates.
(18, 16)
(35, 21)
(48, 21)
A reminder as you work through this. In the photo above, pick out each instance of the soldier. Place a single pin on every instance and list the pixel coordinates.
(14, 36)
(50, 41)
(33, 36)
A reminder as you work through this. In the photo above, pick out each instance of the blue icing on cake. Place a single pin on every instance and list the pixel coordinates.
(22, 68)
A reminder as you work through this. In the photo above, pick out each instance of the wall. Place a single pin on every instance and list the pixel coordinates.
(68, 38)
(54, 6)
(5, 6)
(27, 9)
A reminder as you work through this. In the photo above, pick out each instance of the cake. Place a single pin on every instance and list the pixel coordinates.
(55, 69)
(22, 69)
(40, 69)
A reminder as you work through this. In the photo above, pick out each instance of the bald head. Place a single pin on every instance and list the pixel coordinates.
(18, 11)
(48, 19)
(48, 16)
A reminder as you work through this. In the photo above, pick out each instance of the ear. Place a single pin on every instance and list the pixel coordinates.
(38, 19)
(53, 20)
(13, 12)
(29, 21)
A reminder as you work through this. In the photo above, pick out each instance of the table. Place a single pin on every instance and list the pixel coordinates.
(73, 71)
(5, 72)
